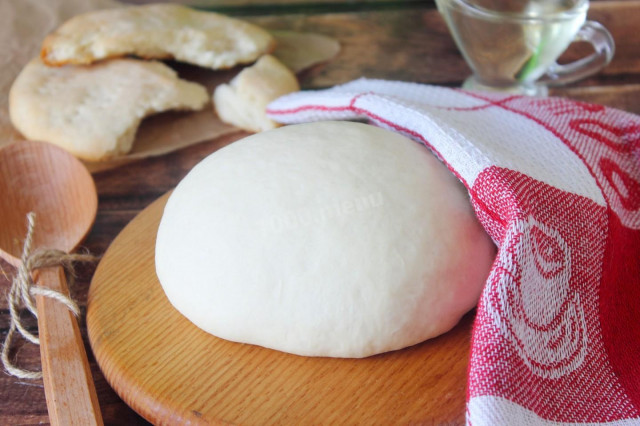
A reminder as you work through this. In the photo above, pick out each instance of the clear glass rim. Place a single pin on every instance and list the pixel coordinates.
(465, 7)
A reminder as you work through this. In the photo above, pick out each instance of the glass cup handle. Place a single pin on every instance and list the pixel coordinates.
(601, 40)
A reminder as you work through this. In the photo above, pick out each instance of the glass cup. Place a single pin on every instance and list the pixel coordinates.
(513, 45)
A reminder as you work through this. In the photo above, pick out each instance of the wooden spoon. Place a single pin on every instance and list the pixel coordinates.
(56, 186)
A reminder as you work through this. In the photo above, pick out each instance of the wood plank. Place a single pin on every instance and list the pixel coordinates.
(244, 8)
(415, 45)
(409, 45)
(275, 4)
(625, 97)
(621, 18)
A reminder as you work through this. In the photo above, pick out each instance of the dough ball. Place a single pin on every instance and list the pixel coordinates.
(330, 239)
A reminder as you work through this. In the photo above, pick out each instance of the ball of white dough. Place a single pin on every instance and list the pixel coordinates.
(331, 239)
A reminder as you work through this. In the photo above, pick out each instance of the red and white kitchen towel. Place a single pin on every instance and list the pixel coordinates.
(556, 183)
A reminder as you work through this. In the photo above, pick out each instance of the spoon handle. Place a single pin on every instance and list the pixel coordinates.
(68, 384)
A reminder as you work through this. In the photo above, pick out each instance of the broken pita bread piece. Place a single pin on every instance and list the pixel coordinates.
(244, 100)
(157, 31)
(94, 111)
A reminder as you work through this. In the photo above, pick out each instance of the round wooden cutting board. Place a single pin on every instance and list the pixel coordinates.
(171, 372)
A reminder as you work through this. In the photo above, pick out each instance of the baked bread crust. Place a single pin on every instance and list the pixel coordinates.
(157, 31)
(243, 102)
(94, 111)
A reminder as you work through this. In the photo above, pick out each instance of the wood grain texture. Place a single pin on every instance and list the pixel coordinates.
(173, 373)
(415, 45)
(292, 3)
(46, 180)
(404, 43)
(69, 389)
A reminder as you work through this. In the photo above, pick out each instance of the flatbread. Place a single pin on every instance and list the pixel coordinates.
(330, 239)
(23, 25)
(243, 102)
(94, 111)
(157, 31)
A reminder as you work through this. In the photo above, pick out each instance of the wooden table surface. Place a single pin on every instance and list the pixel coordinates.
(402, 40)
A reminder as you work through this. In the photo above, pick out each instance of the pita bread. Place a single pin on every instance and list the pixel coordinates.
(244, 100)
(157, 31)
(94, 111)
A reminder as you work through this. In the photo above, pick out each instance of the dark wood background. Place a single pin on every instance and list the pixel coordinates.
(401, 40)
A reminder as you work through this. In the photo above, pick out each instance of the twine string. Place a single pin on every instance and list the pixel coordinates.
(23, 290)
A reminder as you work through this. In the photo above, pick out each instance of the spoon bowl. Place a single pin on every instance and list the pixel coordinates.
(44, 179)
(47, 180)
